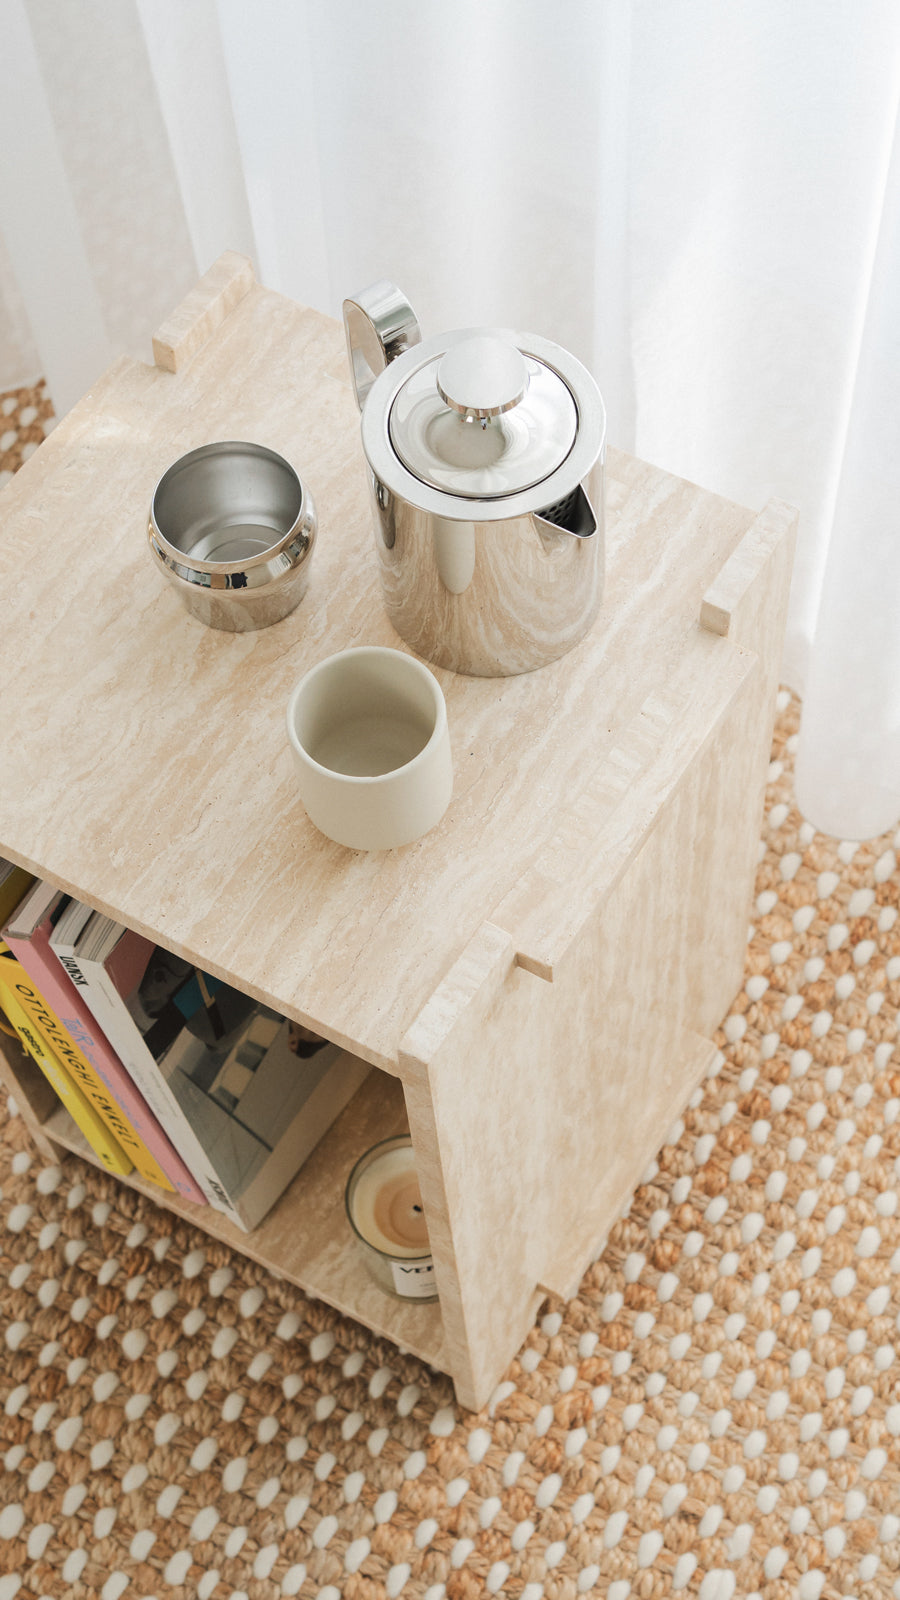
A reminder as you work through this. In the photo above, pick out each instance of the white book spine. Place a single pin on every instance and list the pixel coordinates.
(104, 1000)
(311, 1123)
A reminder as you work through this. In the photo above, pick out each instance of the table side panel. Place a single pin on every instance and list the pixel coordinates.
(573, 1082)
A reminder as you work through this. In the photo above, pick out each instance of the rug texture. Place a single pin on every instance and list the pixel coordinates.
(717, 1413)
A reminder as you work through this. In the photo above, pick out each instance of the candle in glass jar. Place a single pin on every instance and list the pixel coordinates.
(387, 1204)
(384, 1205)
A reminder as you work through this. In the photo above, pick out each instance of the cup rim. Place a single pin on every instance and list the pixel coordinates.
(281, 540)
(369, 779)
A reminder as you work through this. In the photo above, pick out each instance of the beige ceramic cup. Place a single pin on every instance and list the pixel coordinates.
(368, 733)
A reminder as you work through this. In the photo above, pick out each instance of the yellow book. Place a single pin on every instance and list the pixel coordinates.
(27, 938)
(85, 1075)
(98, 1136)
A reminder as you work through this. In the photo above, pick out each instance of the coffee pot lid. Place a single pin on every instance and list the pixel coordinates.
(483, 419)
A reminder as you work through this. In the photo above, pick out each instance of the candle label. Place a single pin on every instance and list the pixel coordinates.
(414, 1279)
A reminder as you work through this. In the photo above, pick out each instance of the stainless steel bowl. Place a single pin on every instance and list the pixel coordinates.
(233, 528)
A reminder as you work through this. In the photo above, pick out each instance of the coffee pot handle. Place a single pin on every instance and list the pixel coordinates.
(380, 324)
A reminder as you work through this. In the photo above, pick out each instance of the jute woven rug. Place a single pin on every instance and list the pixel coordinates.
(716, 1413)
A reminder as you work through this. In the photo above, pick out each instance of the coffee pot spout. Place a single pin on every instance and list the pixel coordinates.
(573, 515)
(380, 324)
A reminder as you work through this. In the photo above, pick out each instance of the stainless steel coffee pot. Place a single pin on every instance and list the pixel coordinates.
(486, 451)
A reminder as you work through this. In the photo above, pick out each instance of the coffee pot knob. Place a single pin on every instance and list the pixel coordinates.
(482, 377)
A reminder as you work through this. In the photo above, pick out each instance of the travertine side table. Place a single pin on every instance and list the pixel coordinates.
(535, 981)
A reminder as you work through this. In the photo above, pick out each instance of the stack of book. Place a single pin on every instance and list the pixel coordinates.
(167, 1071)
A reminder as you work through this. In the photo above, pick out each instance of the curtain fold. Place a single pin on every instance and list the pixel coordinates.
(848, 761)
(700, 201)
(43, 236)
(188, 55)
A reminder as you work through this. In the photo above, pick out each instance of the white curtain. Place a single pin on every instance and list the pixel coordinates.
(701, 200)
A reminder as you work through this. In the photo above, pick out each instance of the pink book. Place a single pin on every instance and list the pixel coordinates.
(28, 936)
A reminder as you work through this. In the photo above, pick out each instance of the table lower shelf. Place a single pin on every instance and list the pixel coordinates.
(306, 1237)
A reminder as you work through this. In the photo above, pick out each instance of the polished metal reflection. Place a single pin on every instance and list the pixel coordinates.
(380, 324)
(491, 599)
(477, 453)
(233, 528)
(482, 378)
(491, 562)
